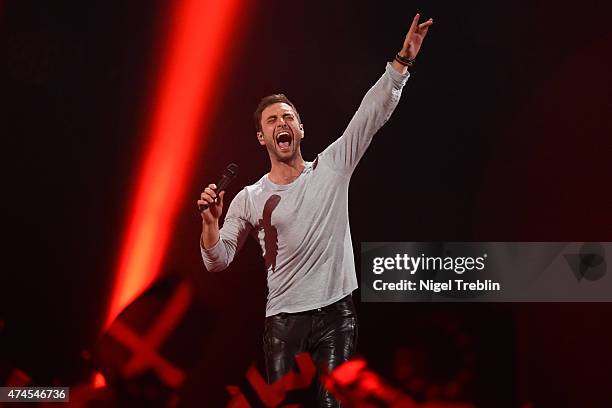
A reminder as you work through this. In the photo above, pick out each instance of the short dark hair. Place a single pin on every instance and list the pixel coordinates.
(270, 100)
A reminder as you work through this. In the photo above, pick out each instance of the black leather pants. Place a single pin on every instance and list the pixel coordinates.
(329, 334)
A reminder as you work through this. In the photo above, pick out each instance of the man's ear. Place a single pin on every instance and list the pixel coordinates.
(260, 138)
(302, 129)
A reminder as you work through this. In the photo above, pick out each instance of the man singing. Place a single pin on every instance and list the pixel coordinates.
(298, 213)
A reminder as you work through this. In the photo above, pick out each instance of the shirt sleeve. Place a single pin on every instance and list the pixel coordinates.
(233, 234)
(376, 108)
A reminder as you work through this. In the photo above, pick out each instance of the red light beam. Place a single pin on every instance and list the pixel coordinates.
(199, 32)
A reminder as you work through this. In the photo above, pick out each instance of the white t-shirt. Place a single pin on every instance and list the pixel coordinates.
(303, 227)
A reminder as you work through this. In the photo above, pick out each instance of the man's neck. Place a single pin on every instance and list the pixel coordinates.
(286, 172)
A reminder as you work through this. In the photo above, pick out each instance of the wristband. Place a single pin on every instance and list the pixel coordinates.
(407, 62)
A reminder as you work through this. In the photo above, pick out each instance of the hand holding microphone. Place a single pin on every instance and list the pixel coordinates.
(210, 204)
(211, 198)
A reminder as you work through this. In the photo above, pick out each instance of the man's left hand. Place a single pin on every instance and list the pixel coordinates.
(414, 38)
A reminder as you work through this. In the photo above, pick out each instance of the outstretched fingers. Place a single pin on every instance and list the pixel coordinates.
(426, 24)
(414, 37)
(415, 23)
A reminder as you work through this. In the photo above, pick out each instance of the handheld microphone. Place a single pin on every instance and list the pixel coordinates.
(229, 174)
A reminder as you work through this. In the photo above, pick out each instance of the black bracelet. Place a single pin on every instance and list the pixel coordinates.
(405, 59)
(407, 62)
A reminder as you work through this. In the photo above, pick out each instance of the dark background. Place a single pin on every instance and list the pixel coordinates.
(503, 133)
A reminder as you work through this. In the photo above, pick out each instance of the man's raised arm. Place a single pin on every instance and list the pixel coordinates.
(378, 104)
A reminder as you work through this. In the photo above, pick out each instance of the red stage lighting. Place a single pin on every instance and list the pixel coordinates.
(190, 64)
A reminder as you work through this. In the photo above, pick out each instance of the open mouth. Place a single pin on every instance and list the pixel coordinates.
(283, 140)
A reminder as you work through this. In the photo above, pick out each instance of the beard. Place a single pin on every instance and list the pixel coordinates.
(289, 153)
(287, 156)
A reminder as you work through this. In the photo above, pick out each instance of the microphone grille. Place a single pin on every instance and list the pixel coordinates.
(232, 168)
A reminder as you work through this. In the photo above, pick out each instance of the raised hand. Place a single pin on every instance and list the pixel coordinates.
(414, 38)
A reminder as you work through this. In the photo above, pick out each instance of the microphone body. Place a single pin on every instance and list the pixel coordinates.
(229, 174)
